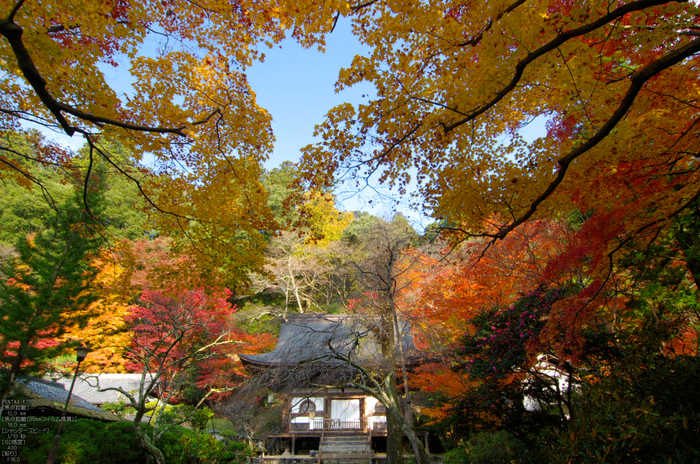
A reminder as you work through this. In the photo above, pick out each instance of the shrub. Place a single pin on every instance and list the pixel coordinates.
(489, 448)
(86, 441)
(644, 413)
(83, 441)
(119, 409)
(185, 447)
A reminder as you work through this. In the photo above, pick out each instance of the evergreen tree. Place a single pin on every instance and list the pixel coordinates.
(44, 284)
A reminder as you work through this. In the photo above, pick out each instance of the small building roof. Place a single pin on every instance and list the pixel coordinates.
(87, 386)
(323, 338)
(52, 395)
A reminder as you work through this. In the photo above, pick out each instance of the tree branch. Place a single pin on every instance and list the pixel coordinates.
(477, 38)
(13, 32)
(15, 9)
(552, 45)
(638, 80)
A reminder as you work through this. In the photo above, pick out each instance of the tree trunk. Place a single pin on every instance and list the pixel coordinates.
(6, 391)
(419, 452)
(144, 442)
(15, 369)
(394, 428)
(398, 426)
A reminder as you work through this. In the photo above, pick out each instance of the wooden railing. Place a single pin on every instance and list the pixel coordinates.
(334, 424)
(326, 424)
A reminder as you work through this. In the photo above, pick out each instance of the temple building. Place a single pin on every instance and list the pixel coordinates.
(315, 358)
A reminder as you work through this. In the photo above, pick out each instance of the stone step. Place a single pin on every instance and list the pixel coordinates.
(346, 445)
(345, 449)
(353, 442)
(344, 457)
(327, 451)
(336, 438)
(361, 446)
(350, 444)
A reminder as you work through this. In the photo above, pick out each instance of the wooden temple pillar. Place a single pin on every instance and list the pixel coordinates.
(363, 415)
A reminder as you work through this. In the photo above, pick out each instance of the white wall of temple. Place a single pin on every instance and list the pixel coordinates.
(370, 404)
(315, 423)
(317, 401)
(344, 410)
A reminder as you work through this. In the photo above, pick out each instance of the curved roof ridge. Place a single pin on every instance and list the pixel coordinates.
(313, 337)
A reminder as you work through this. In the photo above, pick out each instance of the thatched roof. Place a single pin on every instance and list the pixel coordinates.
(324, 339)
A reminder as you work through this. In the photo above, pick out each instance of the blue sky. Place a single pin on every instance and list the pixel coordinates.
(296, 86)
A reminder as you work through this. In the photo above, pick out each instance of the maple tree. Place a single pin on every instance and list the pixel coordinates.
(648, 318)
(474, 278)
(323, 220)
(615, 83)
(453, 291)
(168, 335)
(186, 106)
(158, 264)
(645, 334)
(124, 271)
(104, 327)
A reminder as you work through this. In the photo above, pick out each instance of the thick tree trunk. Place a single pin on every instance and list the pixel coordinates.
(144, 442)
(398, 426)
(394, 426)
(419, 451)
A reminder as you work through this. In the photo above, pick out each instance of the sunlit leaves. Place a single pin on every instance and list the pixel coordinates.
(182, 107)
(445, 107)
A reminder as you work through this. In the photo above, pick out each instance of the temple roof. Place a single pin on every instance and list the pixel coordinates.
(323, 338)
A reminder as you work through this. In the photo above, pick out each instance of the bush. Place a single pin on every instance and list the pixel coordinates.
(644, 413)
(184, 446)
(119, 409)
(457, 456)
(489, 448)
(86, 441)
(82, 441)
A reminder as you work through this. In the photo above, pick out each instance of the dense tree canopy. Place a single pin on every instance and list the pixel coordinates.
(457, 84)
(453, 80)
(185, 109)
(604, 207)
